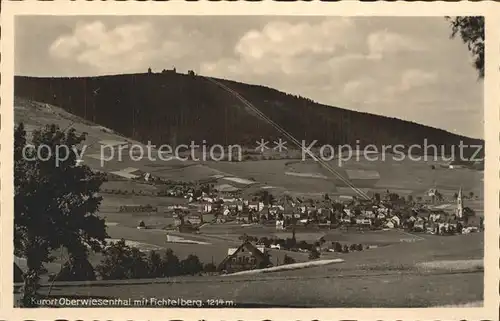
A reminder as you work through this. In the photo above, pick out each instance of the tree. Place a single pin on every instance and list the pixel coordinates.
(337, 247)
(154, 265)
(471, 31)
(124, 262)
(471, 195)
(170, 264)
(55, 201)
(191, 265)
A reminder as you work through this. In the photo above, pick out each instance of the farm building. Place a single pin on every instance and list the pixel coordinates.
(245, 257)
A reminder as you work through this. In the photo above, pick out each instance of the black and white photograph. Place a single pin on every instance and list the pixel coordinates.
(249, 161)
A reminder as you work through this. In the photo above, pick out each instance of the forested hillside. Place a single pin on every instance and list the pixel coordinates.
(173, 108)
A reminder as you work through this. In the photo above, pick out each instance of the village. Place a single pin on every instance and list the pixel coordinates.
(205, 203)
(424, 214)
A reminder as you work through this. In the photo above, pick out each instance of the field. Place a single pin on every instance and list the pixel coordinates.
(382, 277)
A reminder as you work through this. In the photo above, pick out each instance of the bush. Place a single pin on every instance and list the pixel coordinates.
(288, 260)
(209, 268)
(314, 254)
(359, 247)
(353, 247)
(345, 249)
(337, 247)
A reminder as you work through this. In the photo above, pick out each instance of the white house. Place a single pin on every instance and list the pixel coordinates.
(369, 214)
(346, 219)
(228, 199)
(434, 217)
(363, 221)
(396, 220)
(257, 206)
(207, 207)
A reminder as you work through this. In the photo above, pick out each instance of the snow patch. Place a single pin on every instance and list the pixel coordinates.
(308, 175)
(143, 247)
(178, 239)
(294, 266)
(239, 180)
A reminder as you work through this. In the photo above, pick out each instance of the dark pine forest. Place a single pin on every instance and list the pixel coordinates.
(173, 108)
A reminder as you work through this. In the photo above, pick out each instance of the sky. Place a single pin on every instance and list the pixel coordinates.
(401, 67)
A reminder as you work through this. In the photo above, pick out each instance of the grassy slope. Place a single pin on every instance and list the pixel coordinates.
(392, 281)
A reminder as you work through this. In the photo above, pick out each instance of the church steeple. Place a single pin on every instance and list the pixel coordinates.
(460, 207)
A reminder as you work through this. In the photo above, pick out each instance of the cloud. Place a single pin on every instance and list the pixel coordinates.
(284, 39)
(383, 43)
(417, 78)
(127, 47)
(102, 48)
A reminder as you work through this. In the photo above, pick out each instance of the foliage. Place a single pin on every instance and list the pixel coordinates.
(55, 204)
(471, 31)
(18, 273)
(76, 269)
(122, 262)
(191, 265)
(288, 259)
(265, 197)
(209, 268)
(314, 254)
(155, 265)
(337, 247)
(267, 260)
(170, 264)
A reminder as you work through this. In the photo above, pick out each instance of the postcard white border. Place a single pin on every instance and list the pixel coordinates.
(348, 8)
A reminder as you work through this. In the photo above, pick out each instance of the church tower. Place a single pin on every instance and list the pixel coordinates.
(460, 207)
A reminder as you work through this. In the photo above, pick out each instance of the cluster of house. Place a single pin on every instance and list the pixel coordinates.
(387, 212)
